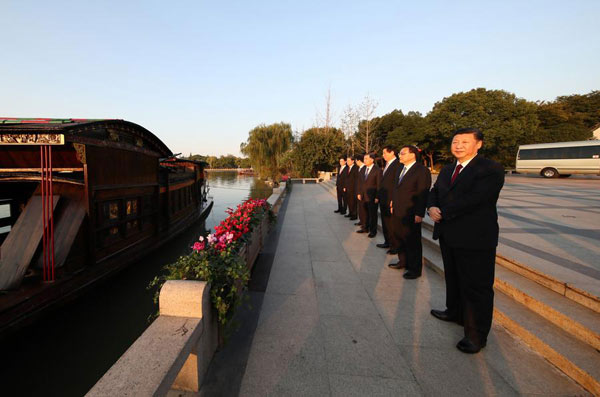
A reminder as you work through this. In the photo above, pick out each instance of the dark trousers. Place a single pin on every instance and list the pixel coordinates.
(341, 198)
(386, 220)
(371, 217)
(351, 196)
(362, 214)
(407, 241)
(469, 275)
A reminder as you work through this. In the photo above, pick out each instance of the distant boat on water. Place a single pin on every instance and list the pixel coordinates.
(80, 200)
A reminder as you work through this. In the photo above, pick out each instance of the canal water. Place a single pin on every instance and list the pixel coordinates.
(65, 353)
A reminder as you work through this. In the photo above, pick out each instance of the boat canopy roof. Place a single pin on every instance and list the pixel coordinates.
(95, 129)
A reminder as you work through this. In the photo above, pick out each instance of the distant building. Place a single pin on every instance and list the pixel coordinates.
(596, 131)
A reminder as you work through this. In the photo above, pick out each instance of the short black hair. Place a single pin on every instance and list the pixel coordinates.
(342, 157)
(371, 155)
(359, 157)
(475, 131)
(390, 148)
(413, 149)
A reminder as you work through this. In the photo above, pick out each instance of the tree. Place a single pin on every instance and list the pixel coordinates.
(317, 150)
(243, 162)
(568, 118)
(585, 108)
(366, 112)
(349, 128)
(505, 120)
(409, 129)
(265, 146)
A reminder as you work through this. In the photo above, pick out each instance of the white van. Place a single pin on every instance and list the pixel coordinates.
(552, 160)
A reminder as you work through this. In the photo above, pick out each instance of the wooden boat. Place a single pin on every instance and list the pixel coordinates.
(79, 201)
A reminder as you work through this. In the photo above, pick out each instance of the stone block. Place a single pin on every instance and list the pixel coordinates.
(184, 298)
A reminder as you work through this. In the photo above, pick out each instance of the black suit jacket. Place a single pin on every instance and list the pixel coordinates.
(388, 182)
(469, 216)
(409, 197)
(371, 185)
(351, 180)
(340, 181)
(360, 179)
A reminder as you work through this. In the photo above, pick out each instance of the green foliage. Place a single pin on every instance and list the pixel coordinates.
(569, 118)
(409, 129)
(584, 108)
(227, 161)
(506, 121)
(265, 146)
(226, 272)
(317, 150)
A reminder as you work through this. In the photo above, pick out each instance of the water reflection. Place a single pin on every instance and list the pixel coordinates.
(65, 353)
(229, 189)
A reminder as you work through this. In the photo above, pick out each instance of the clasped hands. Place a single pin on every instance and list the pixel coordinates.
(435, 213)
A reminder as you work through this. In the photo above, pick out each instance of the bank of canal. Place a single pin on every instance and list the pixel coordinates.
(65, 353)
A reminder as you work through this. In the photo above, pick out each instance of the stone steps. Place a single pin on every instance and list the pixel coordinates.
(563, 331)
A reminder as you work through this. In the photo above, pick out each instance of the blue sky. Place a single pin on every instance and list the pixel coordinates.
(200, 75)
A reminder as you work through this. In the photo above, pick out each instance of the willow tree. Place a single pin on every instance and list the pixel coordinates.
(265, 146)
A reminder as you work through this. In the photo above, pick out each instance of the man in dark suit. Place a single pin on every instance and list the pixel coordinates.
(462, 203)
(360, 179)
(369, 191)
(388, 182)
(409, 200)
(351, 187)
(340, 185)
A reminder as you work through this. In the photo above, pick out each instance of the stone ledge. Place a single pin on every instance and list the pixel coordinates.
(174, 352)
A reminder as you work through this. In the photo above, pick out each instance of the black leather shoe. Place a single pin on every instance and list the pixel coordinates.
(465, 345)
(410, 275)
(391, 251)
(336, 211)
(397, 265)
(383, 245)
(353, 218)
(362, 231)
(443, 315)
(347, 216)
(371, 235)
(357, 224)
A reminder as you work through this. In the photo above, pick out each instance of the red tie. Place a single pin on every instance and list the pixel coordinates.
(456, 172)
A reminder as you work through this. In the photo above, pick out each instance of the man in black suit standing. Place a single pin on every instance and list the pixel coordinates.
(351, 187)
(340, 185)
(388, 182)
(368, 194)
(462, 203)
(360, 179)
(409, 200)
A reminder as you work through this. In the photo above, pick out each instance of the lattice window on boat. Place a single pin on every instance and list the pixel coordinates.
(132, 225)
(131, 207)
(111, 212)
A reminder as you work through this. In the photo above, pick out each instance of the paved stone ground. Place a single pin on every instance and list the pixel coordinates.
(552, 225)
(336, 321)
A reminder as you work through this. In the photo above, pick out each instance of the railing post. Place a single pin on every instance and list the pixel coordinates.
(186, 298)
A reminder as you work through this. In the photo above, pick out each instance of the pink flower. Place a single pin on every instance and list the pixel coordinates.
(211, 238)
(198, 246)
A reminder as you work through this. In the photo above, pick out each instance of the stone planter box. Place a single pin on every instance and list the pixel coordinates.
(252, 248)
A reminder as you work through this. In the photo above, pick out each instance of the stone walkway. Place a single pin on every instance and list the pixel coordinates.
(336, 321)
